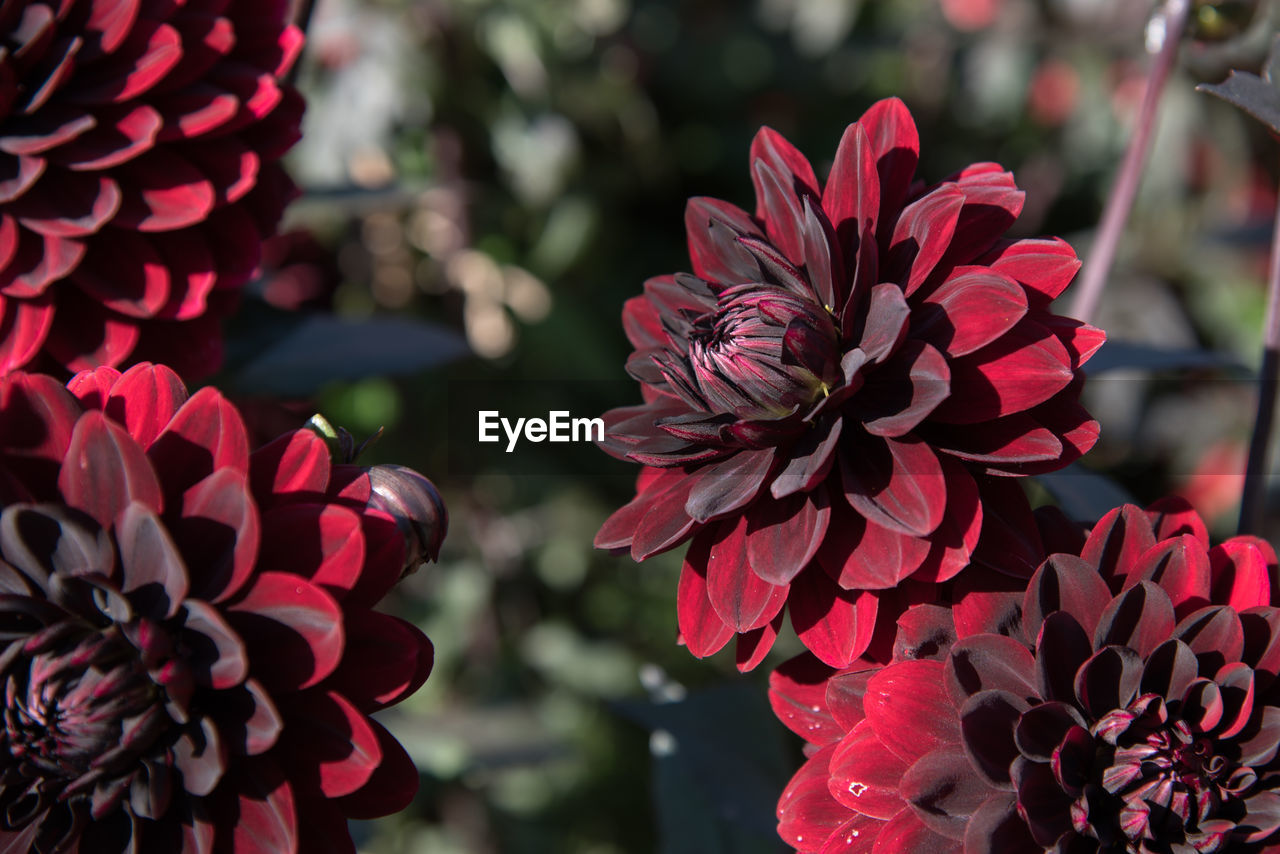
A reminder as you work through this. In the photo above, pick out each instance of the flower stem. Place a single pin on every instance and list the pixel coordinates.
(302, 20)
(1101, 256)
(1253, 495)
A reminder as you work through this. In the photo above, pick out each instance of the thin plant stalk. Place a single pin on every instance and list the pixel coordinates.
(1253, 494)
(1088, 291)
(302, 20)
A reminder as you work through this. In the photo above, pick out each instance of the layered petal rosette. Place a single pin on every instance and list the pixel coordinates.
(1126, 701)
(139, 146)
(829, 394)
(189, 652)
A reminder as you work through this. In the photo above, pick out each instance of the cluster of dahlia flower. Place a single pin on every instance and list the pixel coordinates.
(837, 397)
(188, 642)
(838, 402)
(189, 647)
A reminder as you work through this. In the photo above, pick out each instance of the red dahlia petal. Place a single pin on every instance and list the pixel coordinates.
(295, 466)
(69, 204)
(778, 205)
(851, 198)
(84, 335)
(1043, 267)
(1117, 540)
(884, 322)
(896, 146)
(37, 262)
(897, 483)
(740, 597)
(1173, 516)
(784, 159)
(323, 542)
(1023, 368)
(126, 275)
(150, 52)
(972, 308)
(1010, 542)
(905, 832)
(953, 542)
(807, 814)
(701, 627)
(722, 487)
(712, 227)
(259, 809)
(865, 774)
(219, 531)
(1003, 443)
(845, 693)
(105, 470)
(944, 792)
(329, 745)
(1180, 566)
(752, 646)
(784, 534)
(916, 380)
(921, 237)
(992, 204)
(1168, 672)
(1215, 634)
(120, 135)
(384, 660)
(110, 22)
(1062, 648)
(144, 398)
(1240, 576)
(1140, 618)
(797, 693)
(1065, 583)
(298, 621)
(152, 568)
(809, 460)
(988, 720)
(1108, 680)
(861, 555)
(996, 828)
(666, 524)
(837, 625)
(24, 325)
(205, 435)
(989, 663)
(201, 758)
(392, 786)
(902, 703)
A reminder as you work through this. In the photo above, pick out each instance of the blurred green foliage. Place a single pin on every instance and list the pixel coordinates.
(515, 169)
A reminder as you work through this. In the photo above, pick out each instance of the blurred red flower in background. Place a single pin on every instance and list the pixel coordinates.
(827, 397)
(1125, 701)
(188, 645)
(142, 142)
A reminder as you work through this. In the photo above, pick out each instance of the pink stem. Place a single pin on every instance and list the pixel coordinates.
(1094, 277)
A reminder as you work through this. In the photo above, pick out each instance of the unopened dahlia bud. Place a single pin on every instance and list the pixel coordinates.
(417, 508)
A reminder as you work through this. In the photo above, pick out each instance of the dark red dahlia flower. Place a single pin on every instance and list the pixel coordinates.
(827, 394)
(1132, 705)
(188, 648)
(142, 141)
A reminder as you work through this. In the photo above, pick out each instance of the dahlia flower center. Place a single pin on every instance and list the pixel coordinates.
(764, 352)
(1169, 780)
(67, 710)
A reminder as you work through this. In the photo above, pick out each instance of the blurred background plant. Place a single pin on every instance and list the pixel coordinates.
(510, 171)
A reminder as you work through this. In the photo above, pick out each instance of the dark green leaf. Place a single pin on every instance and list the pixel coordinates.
(321, 348)
(719, 766)
(1083, 495)
(1257, 96)
(1119, 354)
